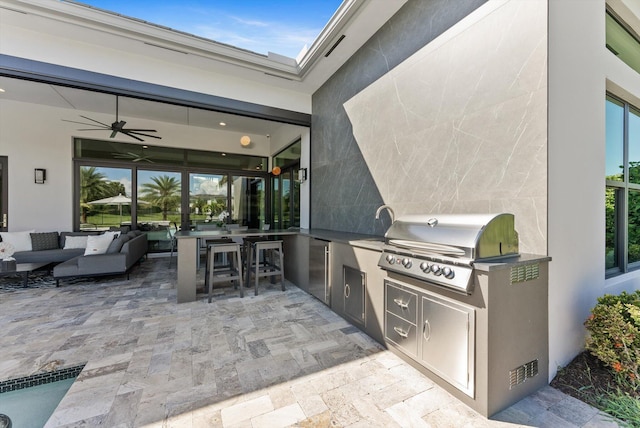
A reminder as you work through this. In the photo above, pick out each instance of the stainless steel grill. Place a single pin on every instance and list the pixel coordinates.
(442, 248)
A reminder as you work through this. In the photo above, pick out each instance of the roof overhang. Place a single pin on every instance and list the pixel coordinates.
(350, 27)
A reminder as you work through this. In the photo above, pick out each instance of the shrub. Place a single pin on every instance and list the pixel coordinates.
(614, 334)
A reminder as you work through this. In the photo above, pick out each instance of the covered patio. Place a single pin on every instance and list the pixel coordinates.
(277, 359)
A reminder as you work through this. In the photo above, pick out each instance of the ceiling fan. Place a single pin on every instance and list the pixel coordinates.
(134, 157)
(115, 127)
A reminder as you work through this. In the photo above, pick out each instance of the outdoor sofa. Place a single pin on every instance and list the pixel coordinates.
(74, 254)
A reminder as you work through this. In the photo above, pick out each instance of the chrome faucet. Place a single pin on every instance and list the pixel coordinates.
(387, 207)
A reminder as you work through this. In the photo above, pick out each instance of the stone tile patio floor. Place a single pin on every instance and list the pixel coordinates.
(276, 360)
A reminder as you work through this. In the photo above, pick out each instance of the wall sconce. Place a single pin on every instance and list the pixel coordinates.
(302, 175)
(40, 175)
(245, 141)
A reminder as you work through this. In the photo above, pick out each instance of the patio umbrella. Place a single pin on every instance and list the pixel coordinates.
(119, 200)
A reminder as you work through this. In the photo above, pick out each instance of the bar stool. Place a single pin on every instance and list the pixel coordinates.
(261, 259)
(213, 273)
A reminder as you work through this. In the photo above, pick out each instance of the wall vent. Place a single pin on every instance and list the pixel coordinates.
(521, 374)
(335, 45)
(525, 273)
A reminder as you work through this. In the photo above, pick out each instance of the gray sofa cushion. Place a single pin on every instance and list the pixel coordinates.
(47, 256)
(132, 251)
(44, 241)
(116, 244)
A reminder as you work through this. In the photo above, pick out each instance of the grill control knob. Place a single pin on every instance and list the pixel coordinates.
(435, 269)
(424, 267)
(448, 272)
(406, 262)
(391, 258)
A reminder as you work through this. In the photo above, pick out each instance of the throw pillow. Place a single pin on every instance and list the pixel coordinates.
(44, 241)
(116, 245)
(114, 233)
(97, 244)
(21, 241)
(75, 242)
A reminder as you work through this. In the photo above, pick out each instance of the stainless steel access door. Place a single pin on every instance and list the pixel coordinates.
(319, 284)
(447, 341)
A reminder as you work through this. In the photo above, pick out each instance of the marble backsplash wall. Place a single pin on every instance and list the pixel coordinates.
(458, 127)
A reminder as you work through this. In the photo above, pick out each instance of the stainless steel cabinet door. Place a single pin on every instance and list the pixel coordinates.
(354, 294)
(319, 285)
(447, 341)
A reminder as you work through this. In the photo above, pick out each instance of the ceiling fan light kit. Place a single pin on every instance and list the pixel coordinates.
(115, 127)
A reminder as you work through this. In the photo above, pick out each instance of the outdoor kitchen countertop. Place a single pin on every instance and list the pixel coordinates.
(522, 259)
(370, 242)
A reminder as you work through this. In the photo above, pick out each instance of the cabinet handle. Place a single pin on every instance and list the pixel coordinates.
(401, 332)
(426, 328)
(347, 291)
(403, 305)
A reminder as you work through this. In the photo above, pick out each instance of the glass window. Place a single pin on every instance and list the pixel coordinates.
(105, 197)
(615, 140)
(622, 41)
(622, 191)
(144, 154)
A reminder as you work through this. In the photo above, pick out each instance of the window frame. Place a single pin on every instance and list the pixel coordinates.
(622, 192)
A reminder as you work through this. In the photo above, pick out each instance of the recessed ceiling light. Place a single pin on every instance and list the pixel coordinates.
(223, 154)
(223, 124)
(1, 90)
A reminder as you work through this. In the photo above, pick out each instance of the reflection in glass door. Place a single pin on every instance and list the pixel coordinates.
(286, 199)
(105, 197)
(158, 206)
(208, 199)
(4, 196)
(248, 201)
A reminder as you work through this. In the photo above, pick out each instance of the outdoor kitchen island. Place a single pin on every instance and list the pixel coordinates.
(484, 339)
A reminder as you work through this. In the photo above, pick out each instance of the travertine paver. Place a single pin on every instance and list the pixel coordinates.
(277, 359)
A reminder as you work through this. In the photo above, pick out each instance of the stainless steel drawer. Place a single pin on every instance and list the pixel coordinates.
(402, 302)
(402, 333)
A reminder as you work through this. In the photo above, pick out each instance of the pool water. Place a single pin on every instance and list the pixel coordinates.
(31, 407)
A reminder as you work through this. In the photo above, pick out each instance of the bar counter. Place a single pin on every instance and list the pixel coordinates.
(189, 253)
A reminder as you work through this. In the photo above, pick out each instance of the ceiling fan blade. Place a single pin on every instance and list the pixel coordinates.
(84, 123)
(91, 129)
(129, 134)
(96, 121)
(113, 133)
(145, 135)
(141, 130)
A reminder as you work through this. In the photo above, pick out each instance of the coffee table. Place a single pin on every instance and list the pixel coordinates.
(23, 269)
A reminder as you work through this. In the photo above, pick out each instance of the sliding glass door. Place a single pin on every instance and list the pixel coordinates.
(159, 190)
(4, 197)
(208, 199)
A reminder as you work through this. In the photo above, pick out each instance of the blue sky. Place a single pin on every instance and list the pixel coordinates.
(279, 26)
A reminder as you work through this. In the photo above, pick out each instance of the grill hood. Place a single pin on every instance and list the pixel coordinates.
(468, 236)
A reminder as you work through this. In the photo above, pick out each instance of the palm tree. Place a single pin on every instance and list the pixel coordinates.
(163, 192)
(92, 186)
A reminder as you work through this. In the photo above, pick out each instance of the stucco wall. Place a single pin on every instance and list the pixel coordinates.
(581, 70)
